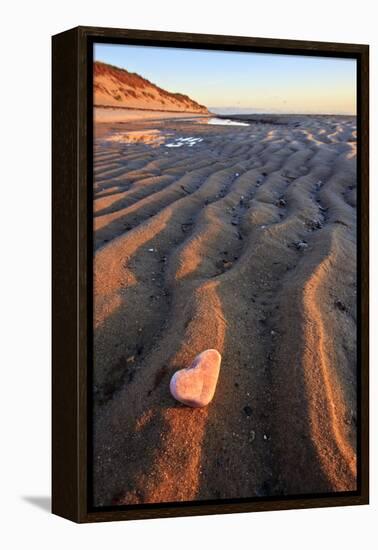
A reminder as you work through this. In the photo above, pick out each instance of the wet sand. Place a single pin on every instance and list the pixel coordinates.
(242, 239)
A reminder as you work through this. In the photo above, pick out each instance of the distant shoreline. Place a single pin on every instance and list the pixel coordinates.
(110, 113)
(278, 119)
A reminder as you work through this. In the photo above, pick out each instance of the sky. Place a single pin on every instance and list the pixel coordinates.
(243, 82)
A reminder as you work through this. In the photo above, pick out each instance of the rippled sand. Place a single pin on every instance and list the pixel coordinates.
(243, 239)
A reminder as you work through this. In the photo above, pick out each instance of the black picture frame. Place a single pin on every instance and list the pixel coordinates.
(72, 301)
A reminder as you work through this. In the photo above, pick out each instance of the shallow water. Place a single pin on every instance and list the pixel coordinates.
(223, 122)
(179, 142)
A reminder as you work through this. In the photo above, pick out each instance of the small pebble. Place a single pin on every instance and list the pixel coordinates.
(339, 304)
(226, 264)
(301, 245)
(314, 224)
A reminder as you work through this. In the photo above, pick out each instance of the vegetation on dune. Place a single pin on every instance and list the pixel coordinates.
(133, 85)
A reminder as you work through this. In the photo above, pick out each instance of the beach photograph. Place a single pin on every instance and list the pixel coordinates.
(224, 275)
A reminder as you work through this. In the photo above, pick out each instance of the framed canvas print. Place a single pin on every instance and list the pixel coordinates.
(210, 274)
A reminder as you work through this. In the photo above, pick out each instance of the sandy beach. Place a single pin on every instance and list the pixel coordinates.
(240, 238)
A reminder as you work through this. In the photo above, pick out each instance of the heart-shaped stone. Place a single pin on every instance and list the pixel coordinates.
(195, 385)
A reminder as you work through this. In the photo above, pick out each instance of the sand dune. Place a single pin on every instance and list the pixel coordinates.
(244, 242)
(119, 88)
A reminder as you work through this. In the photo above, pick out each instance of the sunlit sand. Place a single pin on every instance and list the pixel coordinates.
(240, 238)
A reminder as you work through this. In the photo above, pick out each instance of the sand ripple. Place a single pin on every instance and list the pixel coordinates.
(245, 243)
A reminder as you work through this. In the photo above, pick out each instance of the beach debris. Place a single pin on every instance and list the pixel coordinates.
(234, 222)
(252, 436)
(247, 410)
(195, 386)
(237, 175)
(151, 250)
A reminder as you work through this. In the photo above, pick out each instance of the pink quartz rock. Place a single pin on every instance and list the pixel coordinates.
(195, 385)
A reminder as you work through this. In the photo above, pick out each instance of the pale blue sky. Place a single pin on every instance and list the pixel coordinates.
(247, 82)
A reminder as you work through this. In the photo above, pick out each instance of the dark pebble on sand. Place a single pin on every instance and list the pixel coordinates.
(339, 304)
(186, 226)
(281, 203)
(314, 224)
(300, 245)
